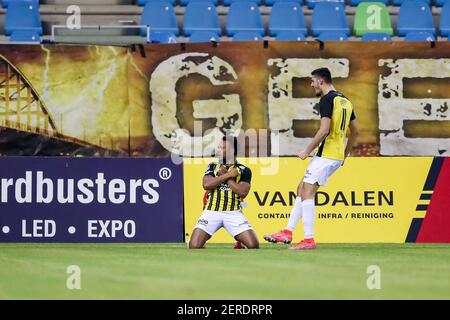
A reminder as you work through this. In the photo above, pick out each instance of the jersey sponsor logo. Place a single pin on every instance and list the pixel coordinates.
(224, 187)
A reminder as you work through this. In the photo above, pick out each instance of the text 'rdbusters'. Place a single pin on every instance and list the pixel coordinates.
(36, 188)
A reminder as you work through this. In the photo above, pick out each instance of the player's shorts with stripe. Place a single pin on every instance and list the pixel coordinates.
(233, 221)
(320, 169)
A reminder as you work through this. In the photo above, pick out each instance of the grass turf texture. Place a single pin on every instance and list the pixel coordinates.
(170, 271)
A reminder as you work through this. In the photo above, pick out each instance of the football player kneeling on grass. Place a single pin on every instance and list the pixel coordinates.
(227, 182)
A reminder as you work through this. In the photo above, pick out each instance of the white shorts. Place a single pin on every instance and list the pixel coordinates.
(320, 169)
(233, 221)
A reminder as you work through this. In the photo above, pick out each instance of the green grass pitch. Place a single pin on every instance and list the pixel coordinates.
(170, 271)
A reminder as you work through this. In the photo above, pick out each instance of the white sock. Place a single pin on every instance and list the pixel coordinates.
(308, 218)
(296, 214)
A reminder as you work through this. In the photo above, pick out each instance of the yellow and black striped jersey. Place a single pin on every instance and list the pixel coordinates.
(339, 109)
(223, 198)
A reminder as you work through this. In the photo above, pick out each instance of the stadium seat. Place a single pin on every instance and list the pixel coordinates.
(376, 37)
(160, 16)
(244, 17)
(247, 36)
(400, 2)
(419, 36)
(204, 36)
(25, 36)
(372, 17)
(23, 22)
(312, 3)
(329, 17)
(5, 3)
(144, 2)
(286, 16)
(333, 36)
(272, 2)
(354, 3)
(186, 2)
(415, 16)
(200, 16)
(440, 3)
(162, 37)
(230, 2)
(290, 36)
(445, 20)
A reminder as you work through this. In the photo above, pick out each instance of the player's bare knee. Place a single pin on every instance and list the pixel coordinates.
(304, 195)
(308, 193)
(195, 244)
(253, 244)
(191, 245)
(299, 189)
(307, 197)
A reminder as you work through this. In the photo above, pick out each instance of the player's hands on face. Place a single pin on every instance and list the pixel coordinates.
(303, 155)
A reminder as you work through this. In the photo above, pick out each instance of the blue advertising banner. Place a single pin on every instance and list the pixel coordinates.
(60, 199)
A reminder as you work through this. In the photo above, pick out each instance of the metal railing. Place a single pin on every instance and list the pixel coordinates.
(100, 27)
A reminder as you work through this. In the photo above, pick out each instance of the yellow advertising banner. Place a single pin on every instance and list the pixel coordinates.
(366, 200)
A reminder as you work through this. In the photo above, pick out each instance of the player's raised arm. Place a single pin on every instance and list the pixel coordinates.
(353, 135)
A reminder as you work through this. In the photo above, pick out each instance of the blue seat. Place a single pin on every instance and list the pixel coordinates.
(247, 36)
(23, 22)
(329, 17)
(186, 2)
(400, 2)
(419, 36)
(200, 16)
(162, 37)
(144, 2)
(290, 36)
(333, 36)
(230, 2)
(440, 3)
(373, 36)
(204, 36)
(25, 36)
(160, 16)
(445, 20)
(312, 3)
(5, 3)
(355, 3)
(272, 2)
(286, 16)
(244, 17)
(415, 16)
